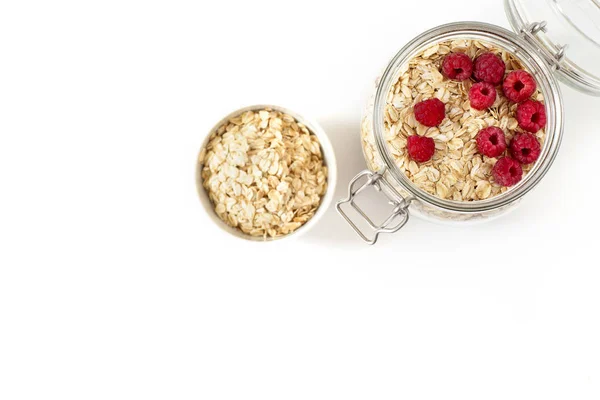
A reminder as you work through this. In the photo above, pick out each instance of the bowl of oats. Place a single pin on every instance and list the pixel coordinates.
(265, 173)
(465, 120)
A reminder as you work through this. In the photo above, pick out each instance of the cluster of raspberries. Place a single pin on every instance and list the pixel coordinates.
(488, 71)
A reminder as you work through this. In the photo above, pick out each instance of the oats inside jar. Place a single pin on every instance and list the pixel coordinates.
(458, 170)
(264, 173)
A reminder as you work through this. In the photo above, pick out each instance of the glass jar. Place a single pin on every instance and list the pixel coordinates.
(539, 54)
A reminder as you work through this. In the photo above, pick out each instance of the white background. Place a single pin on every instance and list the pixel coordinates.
(115, 284)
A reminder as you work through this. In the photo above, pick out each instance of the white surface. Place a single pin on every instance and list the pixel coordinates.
(114, 283)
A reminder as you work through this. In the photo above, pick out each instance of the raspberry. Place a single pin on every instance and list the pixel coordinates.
(491, 141)
(507, 172)
(489, 68)
(420, 148)
(457, 66)
(430, 112)
(518, 86)
(482, 95)
(531, 115)
(525, 148)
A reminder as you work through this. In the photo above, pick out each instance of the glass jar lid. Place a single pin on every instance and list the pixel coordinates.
(567, 32)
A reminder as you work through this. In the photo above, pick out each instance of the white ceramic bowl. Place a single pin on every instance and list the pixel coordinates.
(328, 157)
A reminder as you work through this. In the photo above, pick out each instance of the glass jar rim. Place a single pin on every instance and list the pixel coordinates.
(559, 34)
(528, 56)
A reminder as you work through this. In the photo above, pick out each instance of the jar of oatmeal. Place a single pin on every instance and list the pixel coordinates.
(439, 169)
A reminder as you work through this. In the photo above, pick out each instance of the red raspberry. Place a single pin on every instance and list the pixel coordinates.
(430, 112)
(518, 86)
(531, 115)
(491, 141)
(482, 95)
(420, 148)
(525, 148)
(489, 68)
(457, 66)
(507, 172)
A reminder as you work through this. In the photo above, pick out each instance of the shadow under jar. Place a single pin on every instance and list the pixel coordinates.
(385, 176)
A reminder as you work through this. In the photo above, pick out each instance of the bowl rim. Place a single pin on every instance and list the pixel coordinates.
(328, 158)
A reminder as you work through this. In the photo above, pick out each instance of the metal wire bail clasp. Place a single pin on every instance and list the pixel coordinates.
(400, 204)
(555, 56)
